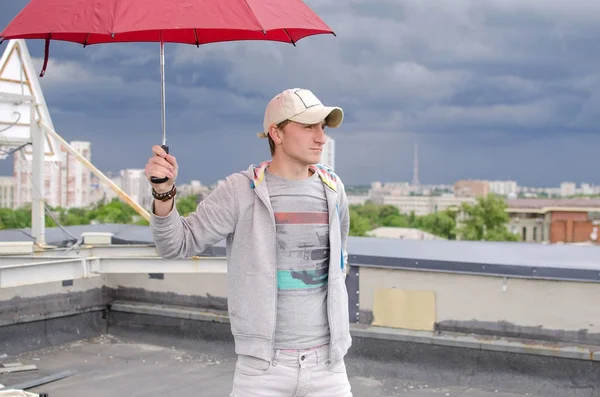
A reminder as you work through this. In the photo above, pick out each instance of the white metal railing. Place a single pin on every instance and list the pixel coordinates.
(52, 269)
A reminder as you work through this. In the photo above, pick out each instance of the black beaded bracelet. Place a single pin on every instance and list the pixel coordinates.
(165, 196)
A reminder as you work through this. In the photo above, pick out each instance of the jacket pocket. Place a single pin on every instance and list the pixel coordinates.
(341, 317)
(252, 309)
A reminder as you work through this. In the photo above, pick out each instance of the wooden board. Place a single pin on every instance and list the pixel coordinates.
(406, 309)
(17, 369)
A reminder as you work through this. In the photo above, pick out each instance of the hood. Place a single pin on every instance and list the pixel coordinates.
(256, 174)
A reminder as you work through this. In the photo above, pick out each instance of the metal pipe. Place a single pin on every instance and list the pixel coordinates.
(138, 208)
(38, 215)
(22, 274)
(41, 381)
(162, 90)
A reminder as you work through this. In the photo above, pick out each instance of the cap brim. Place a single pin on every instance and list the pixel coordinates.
(333, 116)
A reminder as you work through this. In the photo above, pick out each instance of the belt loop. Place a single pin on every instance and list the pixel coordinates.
(274, 361)
(318, 353)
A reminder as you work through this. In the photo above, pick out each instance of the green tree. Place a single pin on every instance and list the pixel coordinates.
(186, 205)
(370, 212)
(114, 211)
(77, 216)
(441, 224)
(387, 211)
(359, 224)
(390, 216)
(15, 219)
(413, 220)
(395, 221)
(485, 220)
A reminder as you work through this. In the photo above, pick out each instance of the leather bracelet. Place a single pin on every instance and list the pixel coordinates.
(165, 196)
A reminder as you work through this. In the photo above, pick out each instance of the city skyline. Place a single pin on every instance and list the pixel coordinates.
(69, 183)
(516, 101)
(115, 173)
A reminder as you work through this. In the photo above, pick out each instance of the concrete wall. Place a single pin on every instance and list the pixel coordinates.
(551, 310)
(520, 307)
(530, 227)
(48, 314)
(49, 300)
(195, 290)
(571, 227)
(54, 288)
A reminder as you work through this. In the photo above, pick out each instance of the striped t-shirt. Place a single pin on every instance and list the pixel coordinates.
(302, 221)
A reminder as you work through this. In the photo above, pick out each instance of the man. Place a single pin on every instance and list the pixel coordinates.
(286, 223)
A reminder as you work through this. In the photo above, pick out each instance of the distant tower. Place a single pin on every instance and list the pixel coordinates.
(415, 181)
(328, 156)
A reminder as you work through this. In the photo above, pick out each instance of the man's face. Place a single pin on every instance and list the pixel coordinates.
(303, 143)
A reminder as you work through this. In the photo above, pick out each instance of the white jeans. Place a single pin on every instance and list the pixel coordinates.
(291, 374)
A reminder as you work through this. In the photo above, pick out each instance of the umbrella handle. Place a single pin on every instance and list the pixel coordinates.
(154, 179)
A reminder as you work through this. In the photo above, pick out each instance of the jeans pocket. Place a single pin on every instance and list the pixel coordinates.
(251, 366)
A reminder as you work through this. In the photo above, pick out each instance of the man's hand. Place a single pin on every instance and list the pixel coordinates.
(161, 165)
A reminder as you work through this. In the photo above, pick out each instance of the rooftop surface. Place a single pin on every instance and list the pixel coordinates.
(149, 354)
(154, 366)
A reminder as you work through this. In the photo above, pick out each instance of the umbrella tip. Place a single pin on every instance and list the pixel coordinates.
(333, 33)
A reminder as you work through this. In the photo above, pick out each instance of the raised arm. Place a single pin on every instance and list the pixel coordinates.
(176, 236)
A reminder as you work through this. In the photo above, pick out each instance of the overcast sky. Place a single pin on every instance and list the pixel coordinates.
(495, 89)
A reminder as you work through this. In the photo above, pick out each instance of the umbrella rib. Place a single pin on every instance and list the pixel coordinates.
(86, 40)
(255, 18)
(196, 36)
(290, 37)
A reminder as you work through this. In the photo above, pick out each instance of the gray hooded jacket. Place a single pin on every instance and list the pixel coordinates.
(239, 210)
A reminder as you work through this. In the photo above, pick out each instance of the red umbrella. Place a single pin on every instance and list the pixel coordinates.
(196, 22)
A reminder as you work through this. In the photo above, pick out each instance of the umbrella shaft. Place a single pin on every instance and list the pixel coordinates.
(162, 90)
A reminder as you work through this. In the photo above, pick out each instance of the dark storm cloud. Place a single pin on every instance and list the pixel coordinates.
(497, 89)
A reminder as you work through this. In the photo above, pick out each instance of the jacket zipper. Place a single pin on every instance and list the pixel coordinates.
(268, 205)
(337, 210)
(329, 295)
(275, 286)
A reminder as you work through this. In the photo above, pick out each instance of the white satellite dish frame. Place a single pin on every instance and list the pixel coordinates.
(18, 76)
(37, 172)
(45, 141)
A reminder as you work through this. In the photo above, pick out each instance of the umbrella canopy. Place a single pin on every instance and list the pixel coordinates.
(197, 22)
(177, 21)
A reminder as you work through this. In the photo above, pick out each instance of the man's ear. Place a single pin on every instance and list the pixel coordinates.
(275, 134)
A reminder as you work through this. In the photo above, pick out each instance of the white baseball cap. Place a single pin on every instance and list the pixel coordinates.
(302, 106)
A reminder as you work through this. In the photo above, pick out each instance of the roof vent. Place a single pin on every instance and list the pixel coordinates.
(97, 238)
(16, 248)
